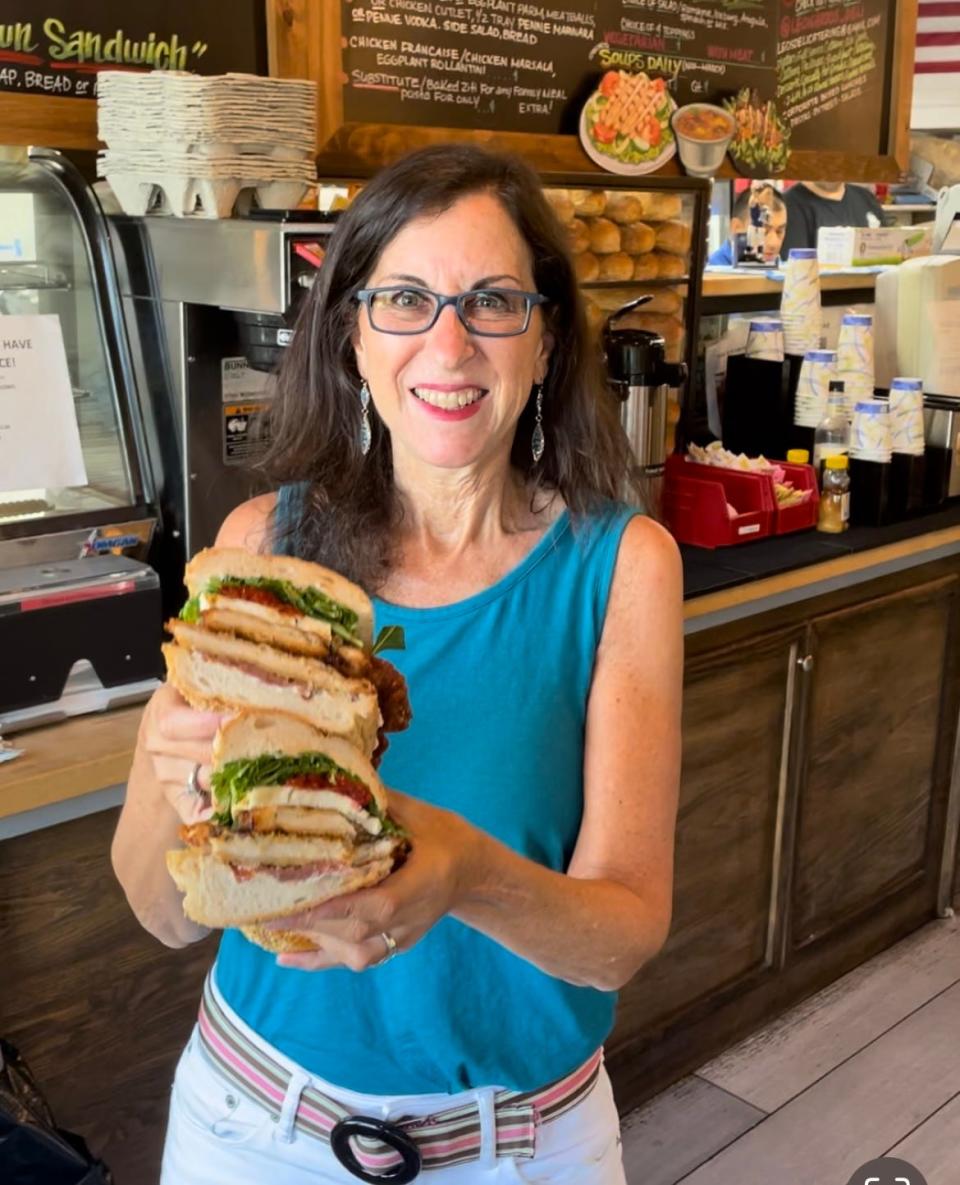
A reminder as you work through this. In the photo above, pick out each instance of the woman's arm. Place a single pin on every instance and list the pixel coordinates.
(610, 913)
(171, 740)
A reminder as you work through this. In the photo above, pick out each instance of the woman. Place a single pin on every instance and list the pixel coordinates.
(455, 454)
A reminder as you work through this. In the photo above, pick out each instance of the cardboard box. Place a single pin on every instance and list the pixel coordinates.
(870, 246)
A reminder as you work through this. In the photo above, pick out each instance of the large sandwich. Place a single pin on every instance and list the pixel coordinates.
(299, 818)
(268, 631)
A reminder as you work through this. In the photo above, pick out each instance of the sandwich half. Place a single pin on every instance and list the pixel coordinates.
(297, 607)
(300, 817)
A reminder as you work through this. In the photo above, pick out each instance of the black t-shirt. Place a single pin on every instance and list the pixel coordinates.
(807, 212)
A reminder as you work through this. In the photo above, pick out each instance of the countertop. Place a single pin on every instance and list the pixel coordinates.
(77, 760)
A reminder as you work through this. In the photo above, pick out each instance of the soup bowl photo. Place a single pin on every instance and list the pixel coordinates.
(703, 133)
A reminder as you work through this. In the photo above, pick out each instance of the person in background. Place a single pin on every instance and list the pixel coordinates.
(442, 435)
(812, 204)
(775, 223)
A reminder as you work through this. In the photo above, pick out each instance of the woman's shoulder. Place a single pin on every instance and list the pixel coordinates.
(249, 525)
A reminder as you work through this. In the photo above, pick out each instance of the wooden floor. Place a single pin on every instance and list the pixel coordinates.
(868, 1067)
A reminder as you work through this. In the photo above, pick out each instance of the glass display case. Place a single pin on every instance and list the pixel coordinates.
(74, 471)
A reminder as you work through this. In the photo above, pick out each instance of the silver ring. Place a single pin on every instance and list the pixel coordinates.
(193, 786)
(391, 944)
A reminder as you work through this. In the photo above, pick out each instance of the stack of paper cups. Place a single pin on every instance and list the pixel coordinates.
(855, 357)
(817, 371)
(800, 306)
(765, 340)
(870, 435)
(906, 416)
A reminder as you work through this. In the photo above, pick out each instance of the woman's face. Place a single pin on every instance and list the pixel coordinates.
(474, 244)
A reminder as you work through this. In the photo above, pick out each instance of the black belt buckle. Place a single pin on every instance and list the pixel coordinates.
(387, 1133)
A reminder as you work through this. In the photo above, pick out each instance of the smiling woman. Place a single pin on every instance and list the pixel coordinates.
(444, 438)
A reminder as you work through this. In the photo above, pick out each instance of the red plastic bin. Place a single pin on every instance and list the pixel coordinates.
(695, 499)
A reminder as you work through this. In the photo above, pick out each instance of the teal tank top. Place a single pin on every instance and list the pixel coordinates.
(498, 684)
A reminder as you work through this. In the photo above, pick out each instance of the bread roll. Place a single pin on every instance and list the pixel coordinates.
(673, 237)
(618, 266)
(578, 235)
(587, 267)
(670, 267)
(588, 201)
(623, 207)
(645, 267)
(604, 236)
(595, 316)
(638, 238)
(669, 328)
(660, 206)
(561, 202)
(665, 300)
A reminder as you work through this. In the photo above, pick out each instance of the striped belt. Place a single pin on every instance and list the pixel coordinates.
(375, 1150)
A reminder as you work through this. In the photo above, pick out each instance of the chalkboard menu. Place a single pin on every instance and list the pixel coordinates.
(58, 49)
(507, 65)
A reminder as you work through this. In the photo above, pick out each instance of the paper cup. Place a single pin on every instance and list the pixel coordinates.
(855, 356)
(906, 416)
(765, 340)
(870, 434)
(817, 371)
(800, 304)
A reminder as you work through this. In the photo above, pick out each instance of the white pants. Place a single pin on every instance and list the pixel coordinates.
(218, 1136)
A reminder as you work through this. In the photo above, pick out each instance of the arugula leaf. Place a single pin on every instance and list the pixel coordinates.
(391, 637)
(191, 611)
(307, 600)
(230, 783)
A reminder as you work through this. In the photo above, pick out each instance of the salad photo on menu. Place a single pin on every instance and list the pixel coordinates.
(625, 124)
(761, 143)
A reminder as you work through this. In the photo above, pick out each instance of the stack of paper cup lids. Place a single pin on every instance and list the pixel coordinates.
(765, 339)
(800, 303)
(906, 416)
(855, 357)
(817, 371)
(188, 144)
(870, 434)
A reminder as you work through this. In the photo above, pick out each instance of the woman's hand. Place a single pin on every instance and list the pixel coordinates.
(174, 739)
(444, 864)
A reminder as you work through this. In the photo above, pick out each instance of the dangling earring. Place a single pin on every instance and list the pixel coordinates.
(366, 435)
(537, 441)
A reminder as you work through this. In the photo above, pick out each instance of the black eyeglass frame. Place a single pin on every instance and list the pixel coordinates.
(365, 295)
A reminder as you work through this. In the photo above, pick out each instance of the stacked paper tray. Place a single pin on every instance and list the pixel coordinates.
(189, 145)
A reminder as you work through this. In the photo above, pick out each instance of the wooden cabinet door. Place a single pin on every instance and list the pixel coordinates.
(877, 742)
(734, 779)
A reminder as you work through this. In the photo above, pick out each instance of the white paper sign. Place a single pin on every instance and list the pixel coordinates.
(39, 437)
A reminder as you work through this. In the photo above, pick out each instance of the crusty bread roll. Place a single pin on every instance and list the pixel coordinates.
(214, 897)
(587, 267)
(669, 328)
(618, 266)
(623, 207)
(673, 237)
(664, 300)
(578, 236)
(561, 202)
(279, 942)
(588, 201)
(661, 206)
(645, 267)
(637, 238)
(670, 267)
(595, 316)
(202, 666)
(236, 561)
(604, 236)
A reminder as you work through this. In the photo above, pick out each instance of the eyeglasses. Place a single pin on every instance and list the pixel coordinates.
(486, 312)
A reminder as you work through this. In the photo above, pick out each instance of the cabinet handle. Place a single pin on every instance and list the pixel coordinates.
(806, 663)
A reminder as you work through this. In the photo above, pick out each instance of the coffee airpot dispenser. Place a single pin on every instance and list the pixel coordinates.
(640, 377)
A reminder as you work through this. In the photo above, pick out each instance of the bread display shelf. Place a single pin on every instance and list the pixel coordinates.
(667, 282)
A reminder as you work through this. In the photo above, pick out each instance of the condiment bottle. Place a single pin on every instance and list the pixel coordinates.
(832, 437)
(835, 495)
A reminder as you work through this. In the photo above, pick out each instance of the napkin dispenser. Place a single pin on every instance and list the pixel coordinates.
(78, 636)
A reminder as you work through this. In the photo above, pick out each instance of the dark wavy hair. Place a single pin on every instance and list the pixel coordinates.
(351, 511)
